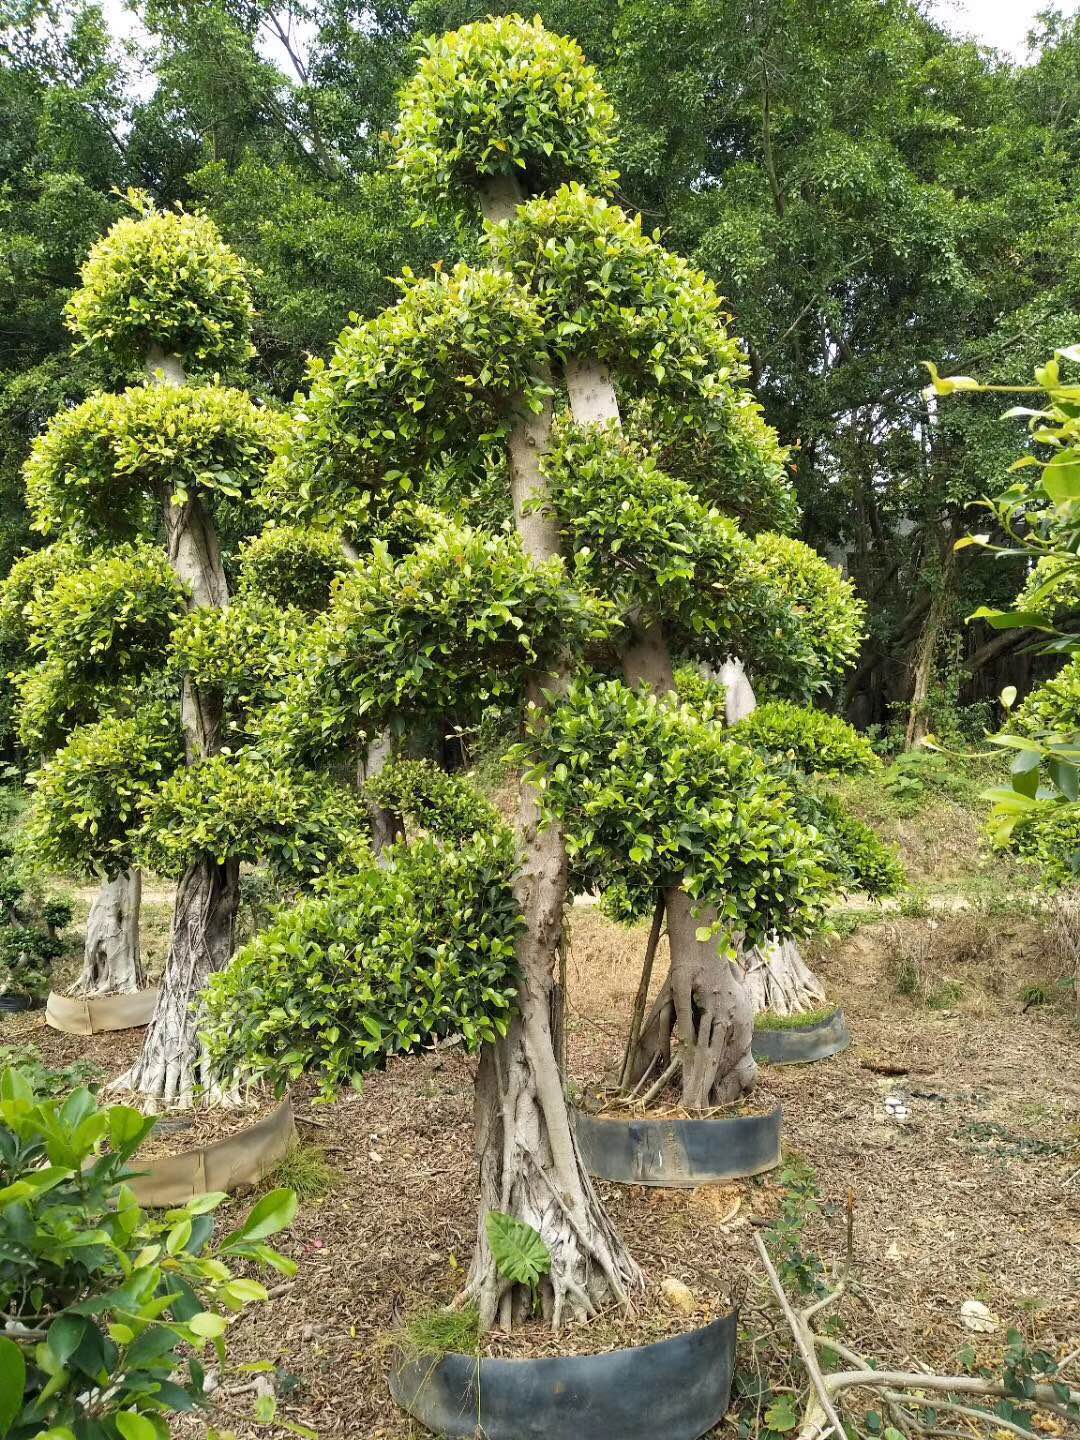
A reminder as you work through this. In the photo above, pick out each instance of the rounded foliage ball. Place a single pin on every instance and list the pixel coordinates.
(166, 279)
(504, 96)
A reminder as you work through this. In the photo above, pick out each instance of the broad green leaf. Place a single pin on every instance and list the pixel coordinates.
(518, 1249)
(12, 1383)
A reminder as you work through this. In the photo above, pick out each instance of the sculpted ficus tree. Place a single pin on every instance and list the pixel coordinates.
(163, 291)
(623, 317)
(97, 711)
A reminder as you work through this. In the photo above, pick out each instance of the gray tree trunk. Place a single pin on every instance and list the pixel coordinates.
(777, 976)
(112, 964)
(172, 1066)
(530, 1165)
(702, 996)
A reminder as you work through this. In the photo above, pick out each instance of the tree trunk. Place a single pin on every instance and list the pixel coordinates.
(777, 977)
(387, 827)
(918, 725)
(702, 994)
(172, 1063)
(112, 964)
(530, 1166)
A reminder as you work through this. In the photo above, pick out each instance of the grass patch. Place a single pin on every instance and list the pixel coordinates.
(768, 1021)
(433, 1333)
(305, 1169)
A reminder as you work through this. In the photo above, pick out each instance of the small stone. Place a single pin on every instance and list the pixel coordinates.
(308, 1333)
(678, 1296)
(974, 1315)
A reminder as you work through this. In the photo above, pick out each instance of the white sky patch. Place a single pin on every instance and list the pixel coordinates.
(1004, 24)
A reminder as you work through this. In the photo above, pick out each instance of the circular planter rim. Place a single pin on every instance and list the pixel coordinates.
(678, 1388)
(238, 1160)
(678, 1153)
(803, 1044)
(12, 1002)
(93, 1015)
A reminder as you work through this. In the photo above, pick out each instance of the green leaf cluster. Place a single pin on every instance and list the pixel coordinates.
(241, 807)
(90, 798)
(444, 805)
(858, 856)
(388, 960)
(291, 565)
(818, 743)
(457, 625)
(705, 696)
(832, 614)
(1052, 589)
(503, 96)
(164, 278)
(609, 291)
(111, 617)
(111, 1309)
(434, 373)
(651, 795)
(97, 466)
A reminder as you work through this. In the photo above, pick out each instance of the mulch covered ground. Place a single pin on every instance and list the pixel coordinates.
(976, 1196)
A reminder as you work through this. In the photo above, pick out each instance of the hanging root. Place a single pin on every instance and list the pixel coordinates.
(779, 979)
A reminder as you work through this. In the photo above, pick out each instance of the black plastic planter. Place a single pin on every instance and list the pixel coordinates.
(677, 1388)
(12, 1004)
(678, 1154)
(803, 1044)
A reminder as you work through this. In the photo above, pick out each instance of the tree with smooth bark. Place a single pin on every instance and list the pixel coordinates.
(164, 291)
(91, 710)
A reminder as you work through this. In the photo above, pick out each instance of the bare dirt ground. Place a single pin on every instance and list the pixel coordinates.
(977, 1196)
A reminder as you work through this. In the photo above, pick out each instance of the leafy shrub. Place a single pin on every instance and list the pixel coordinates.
(1052, 588)
(457, 625)
(816, 742)
(291, 566)
(29, 929)
(242, 652)
(240, 807)
(110, 1308)
(859, 857)
(168, 279)
(703, 695)
(1054, 708)
(386, 961)
(112, 616)
(832, 613)
(91, 797)
(1051, 838)
(49, 1081)
(446, 806)
(503, 97)
(652, 796)
(431, 374)
(96, 465)
(608, 290)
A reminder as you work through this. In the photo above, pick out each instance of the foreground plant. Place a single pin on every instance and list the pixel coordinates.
(107, 1310)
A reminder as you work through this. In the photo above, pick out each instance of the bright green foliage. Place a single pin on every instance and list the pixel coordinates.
(433, 373)
(127, 1300)
(388, 960)
(446, 806)
(1051, 839)
(242, 652)
(1052, 588)
(1054, 707)
(240, 807)
(25, 581)
(503, 97)
(859, 857)
(518, 1249)
(832, 613)
(611, 292)
(164, 279)
(291, 566)
(92, 794)
(96, 466)
(112, 616)
(458, 624)
(50, 703)
(727, 454)
(704, 696)
(819, 744)
(646, 543)
(651, 796)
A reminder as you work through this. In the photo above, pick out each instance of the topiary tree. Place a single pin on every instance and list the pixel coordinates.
(97, 699)
(165, 290)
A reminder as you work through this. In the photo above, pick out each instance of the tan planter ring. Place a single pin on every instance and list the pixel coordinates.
(241, 1160)
(108, 1012)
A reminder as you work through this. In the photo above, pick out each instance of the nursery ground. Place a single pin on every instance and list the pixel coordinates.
(976, 1197)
